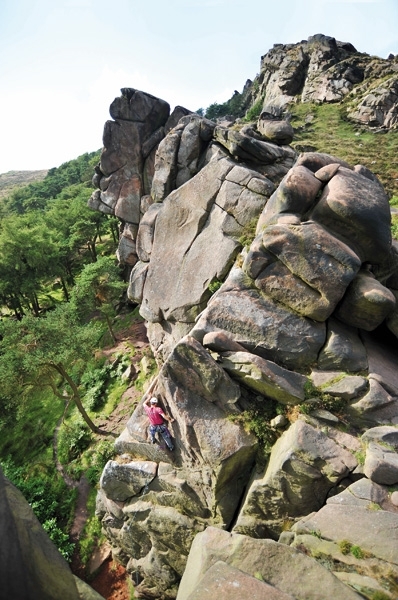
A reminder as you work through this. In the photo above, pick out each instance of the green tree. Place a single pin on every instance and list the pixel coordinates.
(37, 195)
(48, 351)
(28, 254)
(98, 288)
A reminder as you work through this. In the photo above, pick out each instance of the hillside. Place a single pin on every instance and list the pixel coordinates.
(16, 179)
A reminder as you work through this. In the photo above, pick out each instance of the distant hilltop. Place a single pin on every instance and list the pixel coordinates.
(15, 179)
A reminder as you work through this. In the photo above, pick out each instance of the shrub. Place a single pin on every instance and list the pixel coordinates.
(357, 552)
(102, 452)
(215, 285)
(257, 419)
(345, 546)
(95, 382)
(60, 539)
(73, 438)
(254, 111)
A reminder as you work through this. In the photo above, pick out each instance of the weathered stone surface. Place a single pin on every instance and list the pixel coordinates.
(31, 566)
(135, 290)
(377, 407)
(228, 583)
(337, 383)
(347, 387)
(313, 270)
(276, 131)
(366, 303)
(219, 341)
(304, 465)
(343, 349)
(265, 376)
(199, 394)
(323, 415)
(363, 584)
(121, 481)
(381, 464)
(283, 76)
(165, 169)
(392, 319)
(317, 160)
(126, 251)
(326, 173)
(194, 139)
(141, 107)
(283, 567)
(127, 159)
(386, 435)
(296, 194)
(260, 325)
(186, 232)
(383, 363)
(374, 531)
(347, 208)
(246, 147)
(342, 553)
(145, 233)
(364, 493)
(379, 108)
(157, 538)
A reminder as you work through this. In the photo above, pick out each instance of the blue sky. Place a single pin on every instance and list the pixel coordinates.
(62, 62)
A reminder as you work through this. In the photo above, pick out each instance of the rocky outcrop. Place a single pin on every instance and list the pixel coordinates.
(322, 69)
(31, 567)
(266, 281)
(263, 559)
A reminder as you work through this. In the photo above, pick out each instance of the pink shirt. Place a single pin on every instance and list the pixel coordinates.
(154, 414)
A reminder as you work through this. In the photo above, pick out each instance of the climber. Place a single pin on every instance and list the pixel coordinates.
(157, 417)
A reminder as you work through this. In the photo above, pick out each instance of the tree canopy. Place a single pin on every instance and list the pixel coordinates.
(49, 351)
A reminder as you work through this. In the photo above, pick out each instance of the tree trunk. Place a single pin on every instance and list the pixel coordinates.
(109, 324)
(92, 248)
(64, 289)
(77, 400)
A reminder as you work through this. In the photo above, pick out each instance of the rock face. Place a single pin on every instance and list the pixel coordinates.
(31, 566)
(267, 281)
(322, 69)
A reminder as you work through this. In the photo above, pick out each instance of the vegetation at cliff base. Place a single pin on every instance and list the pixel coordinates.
(60, 290)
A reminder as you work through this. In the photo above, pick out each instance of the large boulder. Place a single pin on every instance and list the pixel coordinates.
(31, 567)
(347, 208)
(304, 465)
(121, 481)
(265, 377)
(284, 568)
(373, 531)
(308, 269)
(261, 326)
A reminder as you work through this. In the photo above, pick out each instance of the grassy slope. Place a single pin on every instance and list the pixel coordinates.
(325, 129)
